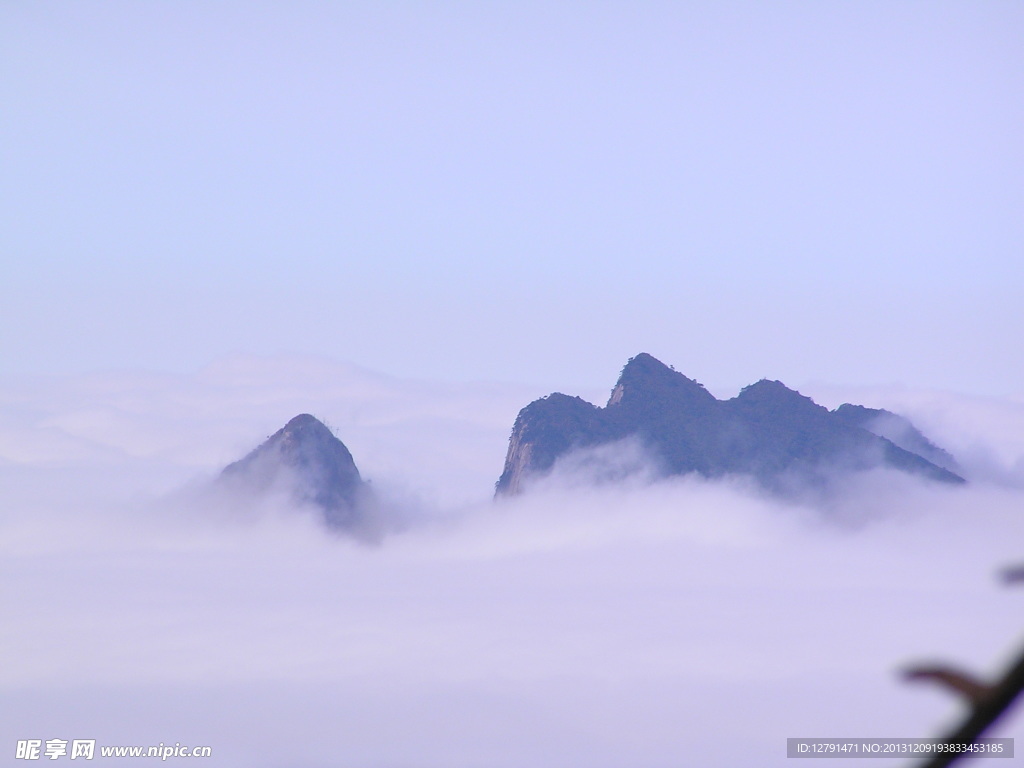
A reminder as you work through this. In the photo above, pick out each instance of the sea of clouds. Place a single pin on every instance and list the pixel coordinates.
(585, 623)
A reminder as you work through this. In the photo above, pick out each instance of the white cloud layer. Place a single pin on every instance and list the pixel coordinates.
(676, 623)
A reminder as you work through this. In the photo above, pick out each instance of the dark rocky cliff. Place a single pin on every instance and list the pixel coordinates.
(768, 431)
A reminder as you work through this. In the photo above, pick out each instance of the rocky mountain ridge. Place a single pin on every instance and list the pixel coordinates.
(769, 432)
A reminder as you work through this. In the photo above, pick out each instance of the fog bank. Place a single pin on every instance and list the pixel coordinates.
(635, 623)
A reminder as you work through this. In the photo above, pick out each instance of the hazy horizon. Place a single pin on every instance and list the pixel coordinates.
(517, 192)
(413, 219)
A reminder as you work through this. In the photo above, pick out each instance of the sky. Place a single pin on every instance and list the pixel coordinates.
(523, 192)
(413, 219)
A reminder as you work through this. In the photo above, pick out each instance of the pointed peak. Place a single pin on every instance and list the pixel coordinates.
(302, 435)
(644, 365)
(307, 458)
(645, 373)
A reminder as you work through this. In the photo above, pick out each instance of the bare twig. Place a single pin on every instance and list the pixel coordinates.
(984, 713)
(959, 682)
(988, 702)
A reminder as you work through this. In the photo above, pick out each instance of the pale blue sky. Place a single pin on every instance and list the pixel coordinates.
(517, 191)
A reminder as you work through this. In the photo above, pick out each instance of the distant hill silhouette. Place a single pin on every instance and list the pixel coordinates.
(305, 459)
(768, 431)
(897, 430)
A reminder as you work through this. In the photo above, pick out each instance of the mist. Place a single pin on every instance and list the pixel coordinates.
(606, 617)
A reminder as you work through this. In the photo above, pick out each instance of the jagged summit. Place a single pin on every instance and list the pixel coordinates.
(768, 431)
(308, 461)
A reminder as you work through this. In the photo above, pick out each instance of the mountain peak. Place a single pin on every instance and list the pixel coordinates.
(644, 376)
(774, 397)
(306, 459)
(303, 428)
(305, 420)
(769, 389)
(645, 362)
(645, 368)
